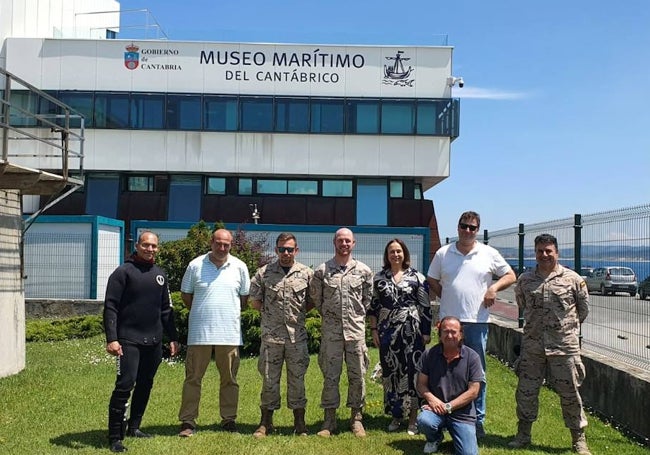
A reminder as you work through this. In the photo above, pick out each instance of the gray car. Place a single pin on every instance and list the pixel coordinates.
(612, 279)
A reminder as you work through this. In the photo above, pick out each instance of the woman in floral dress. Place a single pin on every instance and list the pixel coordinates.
(400, 321)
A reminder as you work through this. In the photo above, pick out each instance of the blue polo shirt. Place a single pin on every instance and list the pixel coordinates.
(449, 380)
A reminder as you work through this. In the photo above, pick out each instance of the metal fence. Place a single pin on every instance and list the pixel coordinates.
(618, 325)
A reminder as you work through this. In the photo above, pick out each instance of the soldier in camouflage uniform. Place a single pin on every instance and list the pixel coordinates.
(279, 290)
(555, 302)
(341, 291)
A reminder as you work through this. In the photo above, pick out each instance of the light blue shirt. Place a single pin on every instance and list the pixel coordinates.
(215, 316)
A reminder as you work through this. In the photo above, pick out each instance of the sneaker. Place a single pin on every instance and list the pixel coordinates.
(431, 447)
(229, 425)
(187, 430)
(136, 433)
(394, 425)
(480, 431)
(412, 430)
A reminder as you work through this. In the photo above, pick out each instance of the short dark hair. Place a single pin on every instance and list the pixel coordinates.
(284, 237)
(546, 239)
(470, 215)
(407, 256)
(146, 232)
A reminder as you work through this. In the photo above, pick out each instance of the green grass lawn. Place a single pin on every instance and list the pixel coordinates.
(58, 404)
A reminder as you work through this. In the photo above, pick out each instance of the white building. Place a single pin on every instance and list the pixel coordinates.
(182, 131)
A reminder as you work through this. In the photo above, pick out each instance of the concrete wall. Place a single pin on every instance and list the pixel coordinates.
(613, 389)
(12, 300)
(62, 308)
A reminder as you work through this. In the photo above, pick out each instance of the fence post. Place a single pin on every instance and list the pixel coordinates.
(521, 235)
(577, 242)
(485, 236)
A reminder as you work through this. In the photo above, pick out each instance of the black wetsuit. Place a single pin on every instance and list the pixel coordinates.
(137, 309)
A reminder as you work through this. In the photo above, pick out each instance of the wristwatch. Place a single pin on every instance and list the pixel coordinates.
(448, 408)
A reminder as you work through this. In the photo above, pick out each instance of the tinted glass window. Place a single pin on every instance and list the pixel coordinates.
(184, 112)
(292, 115)
(396, 188)
(337, 188)
(327, 116)
(140, 184)
(245, 187)
(256, 114)
(147, 111)
(112, 110)
(309, 187)
(82, 102)
(397, 117)
(271, 186)
(216, 185)
(220, 113)
(427, 117)
(362, 117)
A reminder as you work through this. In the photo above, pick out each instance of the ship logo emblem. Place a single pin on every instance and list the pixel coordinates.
(395, 73)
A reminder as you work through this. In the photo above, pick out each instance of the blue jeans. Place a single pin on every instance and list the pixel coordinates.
(475, 337)
(462, 434)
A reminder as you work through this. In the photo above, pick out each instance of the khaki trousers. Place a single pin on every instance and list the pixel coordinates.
(196, 363)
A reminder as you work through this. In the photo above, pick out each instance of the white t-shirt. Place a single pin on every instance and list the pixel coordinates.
(465, 279)
(215, 315)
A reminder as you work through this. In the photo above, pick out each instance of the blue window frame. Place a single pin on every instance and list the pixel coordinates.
(184, 112)
(327, 116)
(256, 114)
(147, 111)
(221, 113)
(292, 115)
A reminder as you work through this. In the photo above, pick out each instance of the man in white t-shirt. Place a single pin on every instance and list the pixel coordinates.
(461, 275)
(215, 288)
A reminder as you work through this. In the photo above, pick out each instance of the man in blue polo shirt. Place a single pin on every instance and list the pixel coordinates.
(449, 380)
(215, 289)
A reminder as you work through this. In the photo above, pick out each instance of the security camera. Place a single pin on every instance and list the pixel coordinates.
(451, 81)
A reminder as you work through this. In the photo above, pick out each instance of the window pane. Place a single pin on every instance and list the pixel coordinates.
(292, 115)
(417, 191)
(216, 185)
(147, 111)
(271, 186)
(362, 117)
(337, 188)
(184, 112)
(303, 187)
(427, 117)
(26, 101)
(327, 116)
(112, 110)
(397, 117)
(245, 187)
(81, 102)
(220, 113)
(140, 184)
(396, 188)
(257, 114)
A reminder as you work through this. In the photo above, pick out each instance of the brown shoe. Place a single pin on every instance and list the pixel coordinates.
(187, 430)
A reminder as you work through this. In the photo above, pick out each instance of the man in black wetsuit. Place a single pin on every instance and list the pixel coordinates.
(137, 309)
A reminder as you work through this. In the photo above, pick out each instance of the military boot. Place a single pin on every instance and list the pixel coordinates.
(329, 424)
(355, 423)
(266, 424)
(579, 442)
(299, 427)
(116, 429)
(522, 439)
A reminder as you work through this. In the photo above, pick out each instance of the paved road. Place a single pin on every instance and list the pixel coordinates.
(617, 325)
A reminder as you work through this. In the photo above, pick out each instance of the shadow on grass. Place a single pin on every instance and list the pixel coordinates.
(82, 440)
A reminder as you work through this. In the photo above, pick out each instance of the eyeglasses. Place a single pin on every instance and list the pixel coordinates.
(286, 249)
(465, 226)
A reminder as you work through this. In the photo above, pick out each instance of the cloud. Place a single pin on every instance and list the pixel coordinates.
(488, 94)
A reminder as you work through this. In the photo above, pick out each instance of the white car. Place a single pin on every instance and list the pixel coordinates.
(612, 279)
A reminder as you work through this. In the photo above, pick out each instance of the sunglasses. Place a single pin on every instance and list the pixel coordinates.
(471, 227)
(286, 249)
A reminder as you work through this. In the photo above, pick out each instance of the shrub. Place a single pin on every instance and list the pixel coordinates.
(63, 329)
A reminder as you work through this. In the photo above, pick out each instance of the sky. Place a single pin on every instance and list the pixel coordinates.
(555, 111)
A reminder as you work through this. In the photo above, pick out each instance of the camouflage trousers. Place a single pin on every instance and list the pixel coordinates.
(563, 373)
(270, 362)
(330, 359)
